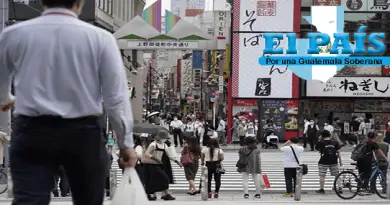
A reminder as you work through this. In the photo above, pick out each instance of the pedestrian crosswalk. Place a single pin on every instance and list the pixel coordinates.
(272, 165)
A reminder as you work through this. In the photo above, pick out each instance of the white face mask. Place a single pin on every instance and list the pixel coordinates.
(312, 123)
(175, 119)
(388, 123)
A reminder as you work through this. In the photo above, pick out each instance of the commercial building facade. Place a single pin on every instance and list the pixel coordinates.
(278, 94)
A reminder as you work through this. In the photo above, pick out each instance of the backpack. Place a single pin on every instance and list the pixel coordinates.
(359, 152)
(329, 150)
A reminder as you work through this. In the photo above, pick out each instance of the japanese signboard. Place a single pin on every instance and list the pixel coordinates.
(327, 2)
(185, 77)
(366, 5)
(266, 15)
(197, 59)
(220, 84)
(197, 78)
(221, 31)
(349, 87)
(151, 45)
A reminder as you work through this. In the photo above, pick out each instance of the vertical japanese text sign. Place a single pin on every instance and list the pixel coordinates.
(197, 59)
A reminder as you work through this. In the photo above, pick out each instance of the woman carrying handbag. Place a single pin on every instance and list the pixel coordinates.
(190, 160)
(212, 156)
(249, 163)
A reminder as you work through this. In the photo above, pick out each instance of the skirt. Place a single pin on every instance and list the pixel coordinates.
(191, 170)
(110, 142)
(155, 178)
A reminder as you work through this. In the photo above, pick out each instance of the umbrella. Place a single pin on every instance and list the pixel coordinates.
(153, 113)
(147, 128)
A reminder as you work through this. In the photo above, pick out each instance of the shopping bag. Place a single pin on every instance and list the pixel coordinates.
(267, 185)
(130, 191)
(172, 152)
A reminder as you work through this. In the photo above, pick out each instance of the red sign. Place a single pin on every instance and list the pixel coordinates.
(386, 70)
(237, 102)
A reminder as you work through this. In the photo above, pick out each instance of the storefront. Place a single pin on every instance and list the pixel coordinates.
(345, 97)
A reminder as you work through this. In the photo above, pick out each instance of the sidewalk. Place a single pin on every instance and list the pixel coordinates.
(226, 198)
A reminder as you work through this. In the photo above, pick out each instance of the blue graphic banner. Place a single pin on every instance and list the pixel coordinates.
(316, 60)
(197, 59)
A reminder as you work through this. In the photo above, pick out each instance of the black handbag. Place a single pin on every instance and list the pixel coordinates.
(220, 168)
(243, 161)
(304, 167)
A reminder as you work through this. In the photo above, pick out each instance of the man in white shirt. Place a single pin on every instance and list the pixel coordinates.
(305, 128)
(221, 130)
(176, 126)
(291, 164)
(61, 70)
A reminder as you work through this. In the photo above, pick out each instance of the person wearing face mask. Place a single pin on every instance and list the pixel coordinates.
(241, 130)
(176, 126)
(61, 74)
(156, 178)
(305, 128)
(387, 132)
(311, 133)
(198, 130)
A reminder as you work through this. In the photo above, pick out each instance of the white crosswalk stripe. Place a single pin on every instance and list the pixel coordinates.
(272, 165)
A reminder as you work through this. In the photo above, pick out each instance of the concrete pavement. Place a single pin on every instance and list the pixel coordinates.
(226, 199)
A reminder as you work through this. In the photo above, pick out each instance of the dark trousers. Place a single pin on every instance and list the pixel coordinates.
(290, 177)
(177, 136)
(242, 140)
(364, 169)
(312, 142)
(64, 185)
(212, 170)
(41, 144)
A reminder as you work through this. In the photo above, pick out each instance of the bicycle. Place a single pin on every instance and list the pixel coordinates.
(3, 180)
(348, 184)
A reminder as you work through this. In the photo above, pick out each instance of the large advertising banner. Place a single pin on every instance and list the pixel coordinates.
(250, 20)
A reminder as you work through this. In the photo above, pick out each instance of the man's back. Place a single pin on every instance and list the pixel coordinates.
(56, 60)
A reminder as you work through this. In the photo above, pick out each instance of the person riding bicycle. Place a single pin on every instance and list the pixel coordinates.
(364, 161)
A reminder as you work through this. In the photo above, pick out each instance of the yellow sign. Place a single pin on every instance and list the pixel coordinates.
(226, 71)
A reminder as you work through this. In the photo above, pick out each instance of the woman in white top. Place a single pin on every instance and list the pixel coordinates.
(212, 156)
(156, 179)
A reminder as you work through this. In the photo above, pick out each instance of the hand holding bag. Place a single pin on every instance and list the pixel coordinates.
(130, 191)
(304, 167)
(220, 168)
